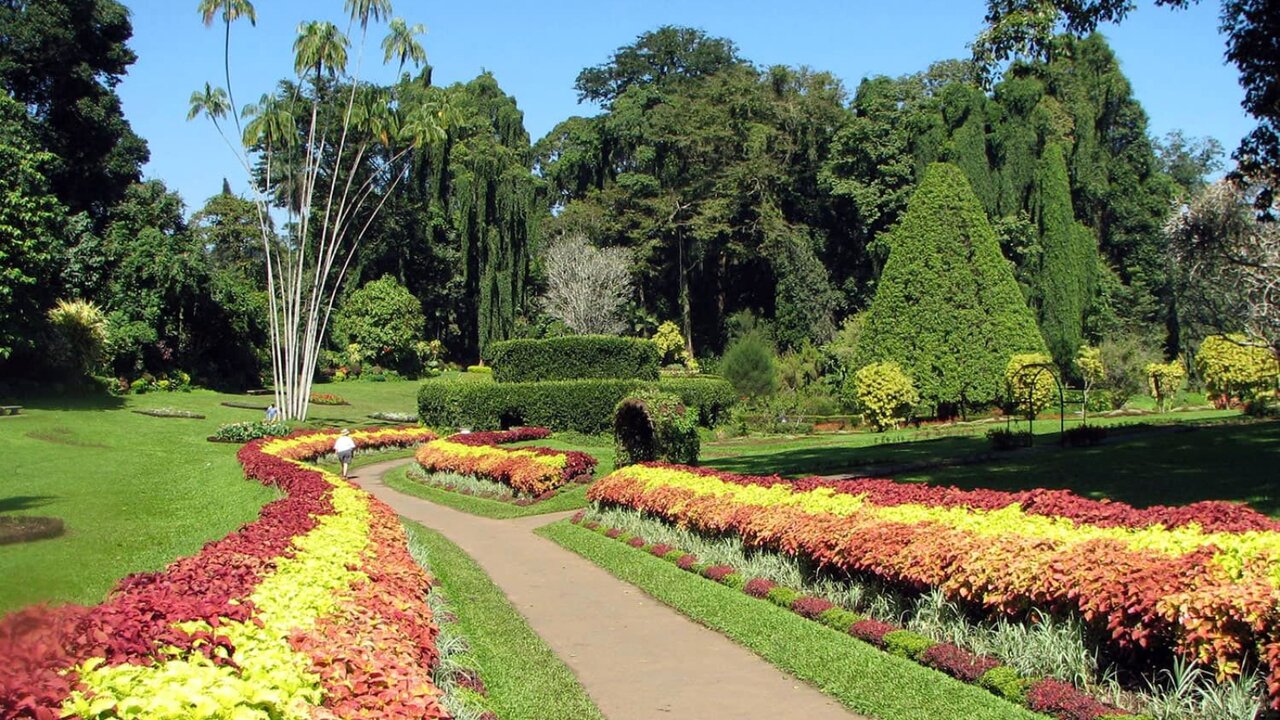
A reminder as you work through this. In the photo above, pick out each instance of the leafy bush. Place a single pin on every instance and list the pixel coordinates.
(576, 357)
(1124, 360)
(1002, 439)
(671, 346)
(585, 406)
(1029, 390)
(749, 364)
(395, 417)
(1164, 380)
(480, 369)
(1263, 407)
(883, 394)
(1233, 369)
(384, 318)
(246, 431)
(654, 425)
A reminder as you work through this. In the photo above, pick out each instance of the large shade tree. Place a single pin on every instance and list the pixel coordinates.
(328, 168)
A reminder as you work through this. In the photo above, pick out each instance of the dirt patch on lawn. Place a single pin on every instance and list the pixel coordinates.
(62, 436)
(21, 528)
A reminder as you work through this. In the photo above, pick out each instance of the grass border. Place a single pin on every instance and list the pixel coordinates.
(525, 680)
(570, 497)
(854, 673)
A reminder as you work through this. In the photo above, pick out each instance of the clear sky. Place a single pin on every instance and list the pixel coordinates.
(535, 49)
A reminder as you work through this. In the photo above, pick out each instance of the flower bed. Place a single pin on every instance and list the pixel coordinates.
(1045, 695)
(315, 609)
(1201, 580)
(533, 471)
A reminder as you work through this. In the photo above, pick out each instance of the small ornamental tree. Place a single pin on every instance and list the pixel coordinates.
(947, 307)
(384, 319)
(671, 346)
(1092, 374)
(749, 364)
(885, 395)
(80, 335)
(1164, 380)
(1029, 382)
(1235, 369)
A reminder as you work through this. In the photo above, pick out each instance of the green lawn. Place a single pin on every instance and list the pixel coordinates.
(525, 679)
(136, 492)
(1226, 462)
(846, 452)
(858, 675)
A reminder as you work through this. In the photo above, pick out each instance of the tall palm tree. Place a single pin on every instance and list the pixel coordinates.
(366, 10)
(232, 10)
(320, 47)
(211, 102)
(402, 42)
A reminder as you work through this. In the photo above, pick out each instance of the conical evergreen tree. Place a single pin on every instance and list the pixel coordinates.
(947, 308)
(1064, 280)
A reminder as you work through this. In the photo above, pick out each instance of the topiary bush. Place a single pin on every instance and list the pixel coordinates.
(654, 425)
(883, 393)
(585, 406)
(575, 357)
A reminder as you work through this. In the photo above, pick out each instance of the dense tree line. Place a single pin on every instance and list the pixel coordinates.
(731, 188)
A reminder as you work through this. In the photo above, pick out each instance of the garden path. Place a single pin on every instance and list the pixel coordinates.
(637, 658)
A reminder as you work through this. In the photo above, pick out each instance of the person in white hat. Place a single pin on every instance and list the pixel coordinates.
(344, 447)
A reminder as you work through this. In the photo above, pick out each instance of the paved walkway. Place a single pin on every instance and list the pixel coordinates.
(637, 659)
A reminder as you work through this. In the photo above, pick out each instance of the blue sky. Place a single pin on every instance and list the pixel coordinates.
(535, 49)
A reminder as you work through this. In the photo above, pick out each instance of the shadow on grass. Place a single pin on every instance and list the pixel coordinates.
(1237, 463)
(67, 402)
(25, 502)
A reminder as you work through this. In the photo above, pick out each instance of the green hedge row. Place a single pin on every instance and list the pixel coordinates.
(576, 357)
(585, 406)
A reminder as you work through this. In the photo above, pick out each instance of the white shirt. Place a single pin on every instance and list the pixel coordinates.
(343, 444)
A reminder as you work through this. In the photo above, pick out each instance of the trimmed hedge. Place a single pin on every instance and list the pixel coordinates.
(585, 406)
(576, 357)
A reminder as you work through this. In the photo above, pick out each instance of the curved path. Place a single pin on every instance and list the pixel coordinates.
(637, 659)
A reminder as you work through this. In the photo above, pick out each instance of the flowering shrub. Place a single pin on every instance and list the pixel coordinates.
(314, 610)
(1201, 580)
(532, 471)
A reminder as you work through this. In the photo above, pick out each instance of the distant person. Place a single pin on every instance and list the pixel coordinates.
(272, 413)
(345, 447)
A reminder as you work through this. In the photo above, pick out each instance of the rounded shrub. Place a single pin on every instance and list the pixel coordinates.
(1029, 389)
(883, 393)
(575, 357)
(1234, 369)
(653, 425)
(1164, 380)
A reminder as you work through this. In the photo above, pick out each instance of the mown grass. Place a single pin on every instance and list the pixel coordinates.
(525, 679)
(857, 675)
(136, 492)
(571, 497)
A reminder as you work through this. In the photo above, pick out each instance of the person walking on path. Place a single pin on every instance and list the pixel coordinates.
(345, 448)
(272, 413)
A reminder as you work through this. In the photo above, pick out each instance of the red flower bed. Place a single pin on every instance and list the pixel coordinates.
(501, 437)
(137, 624)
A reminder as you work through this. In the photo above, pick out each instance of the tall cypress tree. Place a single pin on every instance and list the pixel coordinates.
(947, 308)
(1069, 258)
